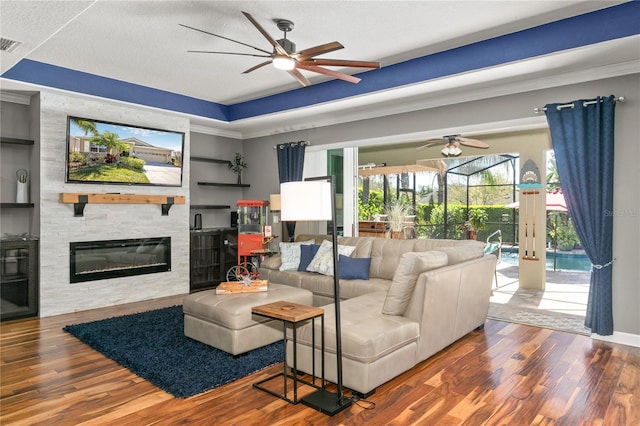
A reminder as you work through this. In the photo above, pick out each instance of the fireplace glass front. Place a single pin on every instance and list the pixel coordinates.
(98, 260)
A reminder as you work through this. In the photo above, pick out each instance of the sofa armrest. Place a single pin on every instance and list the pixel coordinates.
(450, 302)
(272, 262)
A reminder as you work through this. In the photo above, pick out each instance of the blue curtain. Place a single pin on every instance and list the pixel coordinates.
(290, 165)
(582, 138)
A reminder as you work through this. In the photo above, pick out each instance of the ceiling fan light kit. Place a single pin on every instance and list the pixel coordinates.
(284, 63)
(451, 150)
(285, 57)
(452, 144)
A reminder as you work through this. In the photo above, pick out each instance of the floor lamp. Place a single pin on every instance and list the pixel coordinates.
(314, 199)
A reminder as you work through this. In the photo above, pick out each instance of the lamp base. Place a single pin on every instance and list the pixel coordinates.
(326, 402)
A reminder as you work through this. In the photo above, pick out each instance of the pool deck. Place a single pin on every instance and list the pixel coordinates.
(564, 293)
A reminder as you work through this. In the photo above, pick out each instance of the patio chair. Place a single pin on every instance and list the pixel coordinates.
(409, 232)
(494, 246)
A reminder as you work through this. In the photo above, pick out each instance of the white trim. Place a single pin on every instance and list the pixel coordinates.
(196, 128)
(620, 338)
(15, 98)
(349, 190)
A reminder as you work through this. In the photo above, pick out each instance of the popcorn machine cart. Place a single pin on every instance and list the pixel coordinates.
(254, 236)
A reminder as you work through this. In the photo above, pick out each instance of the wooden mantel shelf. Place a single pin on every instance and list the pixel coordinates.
(80, 200)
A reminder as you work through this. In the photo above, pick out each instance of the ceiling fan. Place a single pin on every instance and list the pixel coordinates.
(452, 144)
(285, 57)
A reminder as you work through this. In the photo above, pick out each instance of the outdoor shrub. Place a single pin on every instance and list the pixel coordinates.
(77, 157)
(132, 163)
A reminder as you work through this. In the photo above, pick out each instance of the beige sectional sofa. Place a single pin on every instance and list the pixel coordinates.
(421, 296)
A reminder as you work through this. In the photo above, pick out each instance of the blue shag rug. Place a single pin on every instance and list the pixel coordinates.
(153, 346)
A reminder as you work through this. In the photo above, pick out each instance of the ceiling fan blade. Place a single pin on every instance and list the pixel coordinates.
(430, 143)
(331, 73)
(279, 49)
(342, 63)
(301, 78)
(226, 38)
(472, 142)
(229, 53)
(305, 54)
(256, 67)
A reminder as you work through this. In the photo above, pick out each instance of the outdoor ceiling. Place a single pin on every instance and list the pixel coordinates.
(137, 48)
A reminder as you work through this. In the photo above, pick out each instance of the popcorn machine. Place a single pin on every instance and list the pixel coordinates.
(254, 236)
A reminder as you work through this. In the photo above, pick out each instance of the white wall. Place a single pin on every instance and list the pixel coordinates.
(58, 226)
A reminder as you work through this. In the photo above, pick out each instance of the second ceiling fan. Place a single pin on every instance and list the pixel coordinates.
(285, 57)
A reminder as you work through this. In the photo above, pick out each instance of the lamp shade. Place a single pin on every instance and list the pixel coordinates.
(274, 202)
(305, 201)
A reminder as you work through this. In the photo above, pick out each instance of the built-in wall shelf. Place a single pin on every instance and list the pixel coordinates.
(208, 207)
(80, 200)
(16, 205)
(211, 160)
(16, 141)
(237, 185)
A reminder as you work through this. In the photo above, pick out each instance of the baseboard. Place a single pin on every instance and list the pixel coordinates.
(620, 337)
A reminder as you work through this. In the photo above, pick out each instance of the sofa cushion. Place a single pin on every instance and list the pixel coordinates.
(363, 245)
(318, 284)
(404, 280)
(385, 254)
(366, 334)
(307, 253)
(462, 253)
(322, 262)
(352, 268)
(354, 288)
(290, 255)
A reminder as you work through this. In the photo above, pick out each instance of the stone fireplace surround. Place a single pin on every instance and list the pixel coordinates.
(59, 227)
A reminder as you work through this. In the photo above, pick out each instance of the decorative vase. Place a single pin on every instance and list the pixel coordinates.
(239, 178)
(22, 188)
(396, 235)
(22, 192)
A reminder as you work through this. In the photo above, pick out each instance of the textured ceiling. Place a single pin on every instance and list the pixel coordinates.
(140, 42)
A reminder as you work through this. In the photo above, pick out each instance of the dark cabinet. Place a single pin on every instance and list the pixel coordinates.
(18, 278)
(213, 253)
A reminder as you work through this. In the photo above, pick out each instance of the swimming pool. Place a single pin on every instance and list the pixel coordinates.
(565, 261)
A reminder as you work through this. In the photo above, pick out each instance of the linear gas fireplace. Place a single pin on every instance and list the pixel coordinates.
(98, 260)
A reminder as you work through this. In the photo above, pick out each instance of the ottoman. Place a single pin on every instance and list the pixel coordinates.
(225, 321)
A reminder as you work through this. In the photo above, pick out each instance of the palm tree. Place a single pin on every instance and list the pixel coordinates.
(111, 141)
(87, 126)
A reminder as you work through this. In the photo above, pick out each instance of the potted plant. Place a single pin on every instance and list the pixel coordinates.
(477, 222)
(237, 165)
(396, 217)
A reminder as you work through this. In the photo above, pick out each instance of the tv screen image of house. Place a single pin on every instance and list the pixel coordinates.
(105, 152)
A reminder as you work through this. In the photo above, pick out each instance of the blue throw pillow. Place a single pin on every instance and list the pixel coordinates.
(307, 253)
(353, 268)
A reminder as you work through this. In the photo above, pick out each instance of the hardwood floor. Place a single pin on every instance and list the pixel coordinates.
(507, 374)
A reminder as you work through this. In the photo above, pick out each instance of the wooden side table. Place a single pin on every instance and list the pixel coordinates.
(294, 314)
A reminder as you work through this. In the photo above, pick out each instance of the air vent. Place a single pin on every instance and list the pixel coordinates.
(8, 45)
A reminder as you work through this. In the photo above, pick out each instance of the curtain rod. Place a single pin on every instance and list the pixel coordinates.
(540, 110)
(301, 143)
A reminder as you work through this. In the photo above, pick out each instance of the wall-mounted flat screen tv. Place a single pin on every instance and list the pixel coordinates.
(123, 154)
